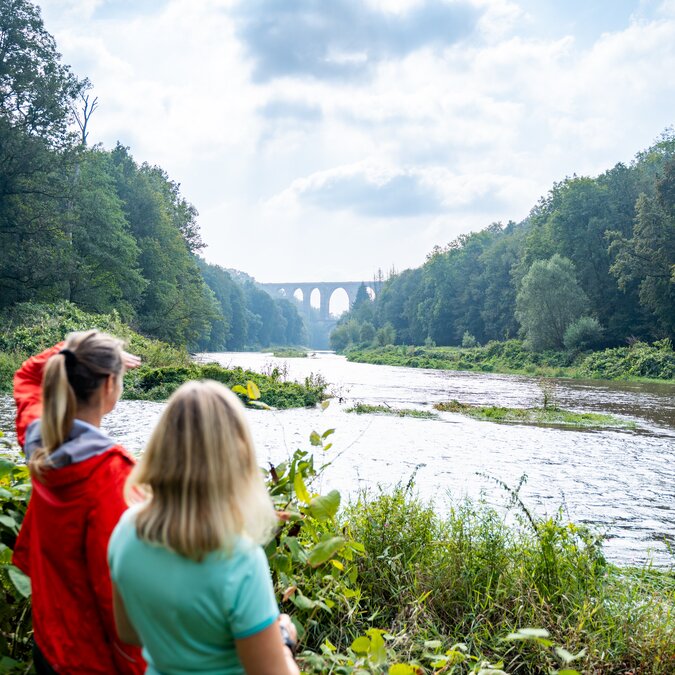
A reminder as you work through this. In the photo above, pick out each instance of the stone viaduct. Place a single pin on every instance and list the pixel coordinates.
(326, 289)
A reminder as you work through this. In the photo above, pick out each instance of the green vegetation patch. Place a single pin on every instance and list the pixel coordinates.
(636, 362)
(29, 328)
(157, 384)
(390, 585)
(365, 409)
(538, 416)
(289, 353)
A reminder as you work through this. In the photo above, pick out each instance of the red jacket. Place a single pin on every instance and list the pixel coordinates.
(63, 545)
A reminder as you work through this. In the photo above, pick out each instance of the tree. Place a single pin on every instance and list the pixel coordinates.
(367, 334)
(36, 93)
(176, 306)
(385, 335)
(548, 301)
(83, 113)
(36, 90)
(649, 255)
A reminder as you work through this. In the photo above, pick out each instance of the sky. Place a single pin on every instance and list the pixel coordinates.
(321, 140)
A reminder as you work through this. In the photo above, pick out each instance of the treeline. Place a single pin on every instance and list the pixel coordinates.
(250, 316)
(95, 227)
(592, 266)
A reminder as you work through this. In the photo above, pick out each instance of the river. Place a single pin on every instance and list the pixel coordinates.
(620, 482)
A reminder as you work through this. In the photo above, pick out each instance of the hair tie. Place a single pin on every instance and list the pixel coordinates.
(71, 358)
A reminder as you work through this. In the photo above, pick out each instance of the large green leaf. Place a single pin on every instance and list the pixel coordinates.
(326, 506)
(20, 580)
(325, 550)
(6, 467)
(9, 522)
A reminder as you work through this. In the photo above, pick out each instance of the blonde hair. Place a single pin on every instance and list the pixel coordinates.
(200, 471)
(72, 377)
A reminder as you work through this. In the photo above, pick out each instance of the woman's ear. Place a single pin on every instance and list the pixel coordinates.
(110, 383)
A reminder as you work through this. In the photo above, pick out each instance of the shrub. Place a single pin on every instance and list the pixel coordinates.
(584, 333)
(469, 340)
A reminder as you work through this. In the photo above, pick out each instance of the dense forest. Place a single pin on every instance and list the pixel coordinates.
(95, 227)
(593, 265)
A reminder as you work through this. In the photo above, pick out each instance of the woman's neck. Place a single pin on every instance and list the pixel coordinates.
(90, 416)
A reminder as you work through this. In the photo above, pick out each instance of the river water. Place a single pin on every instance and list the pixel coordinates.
(620, 482)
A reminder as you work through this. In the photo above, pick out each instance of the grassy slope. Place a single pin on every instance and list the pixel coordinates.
(31, 328)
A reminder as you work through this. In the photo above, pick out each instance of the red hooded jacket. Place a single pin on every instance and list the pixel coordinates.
(62, 545)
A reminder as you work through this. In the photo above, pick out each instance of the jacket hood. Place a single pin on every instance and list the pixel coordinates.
(84, 442)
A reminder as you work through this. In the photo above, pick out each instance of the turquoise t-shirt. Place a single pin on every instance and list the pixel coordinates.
(189, 613)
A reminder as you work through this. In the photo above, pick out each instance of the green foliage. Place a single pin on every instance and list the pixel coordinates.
(548, 301)
(385, 335)
(509, 356)
(468, 340)
(271, 321)
(389, 585)
(28, 329)
(367, 332)
(15, 623)
(37, 90)
(637, 361)
(312, 559)
(289, 352)
(364, 408)
(177, 306)
(640, 361)
(97, 228)
(583, 334)
(648, 256)
(157, 384)
(619, 242)
(548, 415)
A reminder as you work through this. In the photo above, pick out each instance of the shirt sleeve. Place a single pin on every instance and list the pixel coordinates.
(254, 607)
(28, 390)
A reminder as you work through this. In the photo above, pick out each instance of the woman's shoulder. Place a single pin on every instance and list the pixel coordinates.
(111, 466)
(126, 526)
(242, 559)
(124, 535)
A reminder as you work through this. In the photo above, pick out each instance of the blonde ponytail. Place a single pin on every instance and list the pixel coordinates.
(71, 377)
(58, 411)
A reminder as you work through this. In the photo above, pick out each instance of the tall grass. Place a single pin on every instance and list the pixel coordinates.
(468, 577)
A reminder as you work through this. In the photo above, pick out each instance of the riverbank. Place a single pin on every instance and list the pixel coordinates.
(30, 328)
(387, 585)
(638, 362)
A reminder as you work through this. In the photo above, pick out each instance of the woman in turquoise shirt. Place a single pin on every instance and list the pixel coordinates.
(191, 583)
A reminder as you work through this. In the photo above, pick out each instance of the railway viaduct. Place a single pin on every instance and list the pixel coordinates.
(326, 289)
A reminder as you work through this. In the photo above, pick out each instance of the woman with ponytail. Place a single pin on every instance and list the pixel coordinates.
(78, 475)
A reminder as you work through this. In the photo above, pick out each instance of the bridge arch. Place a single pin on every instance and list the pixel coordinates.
(325, 290)
(339, 296)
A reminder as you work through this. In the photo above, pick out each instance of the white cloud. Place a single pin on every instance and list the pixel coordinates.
(437, 140)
